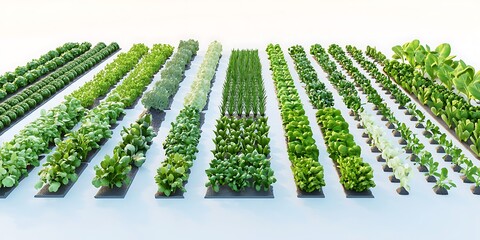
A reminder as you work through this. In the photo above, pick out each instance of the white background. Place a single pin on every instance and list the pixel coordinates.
(30, 28)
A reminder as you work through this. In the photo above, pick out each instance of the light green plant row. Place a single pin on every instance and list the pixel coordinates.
(133, 86)
(110, 75)
(197, 97)
(171, 76)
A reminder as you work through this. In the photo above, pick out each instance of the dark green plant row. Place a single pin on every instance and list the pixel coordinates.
(376, 55)
(241, 155)
(355, 174)
(319, 96)
(181, 144)
(171, 76)
(357, 179)
(345, 88)
(72, 151)
(39, 92)
(130, 152)
(180, 149)
(243, 90)
(26, 148)
(110, 75)
(424, 158)
(11, 82)
(301, 147)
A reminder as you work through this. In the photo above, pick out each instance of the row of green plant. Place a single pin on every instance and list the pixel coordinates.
(355, 174)
(456, 113)
(26, 147)
(468, 168)
(241, 155)
(198, 95)
(302, 150)
(134, 84)
(18, 105)
(180, 149)
(11, 82)
(171, 76)
(243, 90)
(348, 174)
(60, 166)
(110, 75)
(242, 151)
(319, 96)
(345, 88)
(376, 55)
(382, 79)
(433, 131)
(439, 66)
(181, 144)
(130, 152)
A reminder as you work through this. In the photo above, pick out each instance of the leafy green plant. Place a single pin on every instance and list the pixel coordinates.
(472, 172)
(443, 181)
(136, 140)
(376, 55)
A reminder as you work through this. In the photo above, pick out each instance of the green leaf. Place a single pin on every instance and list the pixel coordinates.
(474, 89)
(180, 170)
(8, 181)
(398, 52)
(444, 77)
(39, 185)
(476, 77)
(462, 82)
(54, 186)
(430, 62)
(443, 50)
